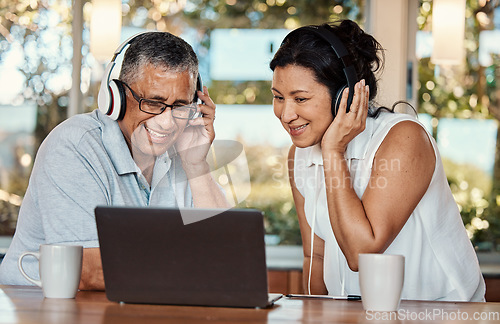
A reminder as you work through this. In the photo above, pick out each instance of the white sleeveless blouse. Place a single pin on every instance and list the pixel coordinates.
(440, 262)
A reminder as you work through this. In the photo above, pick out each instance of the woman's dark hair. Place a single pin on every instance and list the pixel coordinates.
(305, 48)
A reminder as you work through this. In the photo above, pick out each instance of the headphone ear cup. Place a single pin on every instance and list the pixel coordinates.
(336, 102)
(118, 100)
(123, 100)
(104, 97)
(199, 87)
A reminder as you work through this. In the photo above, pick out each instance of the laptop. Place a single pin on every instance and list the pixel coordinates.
(154, 256)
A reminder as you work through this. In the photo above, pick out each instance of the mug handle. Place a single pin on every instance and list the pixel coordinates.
(20, 266)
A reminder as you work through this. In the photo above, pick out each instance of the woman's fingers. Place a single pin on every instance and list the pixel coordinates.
(343, 103)
(366, 100)
(357, 101)
(359, 105)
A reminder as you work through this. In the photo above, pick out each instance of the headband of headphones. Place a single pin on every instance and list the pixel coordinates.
(342, 53)
(111, 99)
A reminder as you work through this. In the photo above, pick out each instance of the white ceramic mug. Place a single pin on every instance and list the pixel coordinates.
(381, 278)
(60, 269)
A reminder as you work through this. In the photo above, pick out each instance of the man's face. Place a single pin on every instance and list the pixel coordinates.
(153, 135)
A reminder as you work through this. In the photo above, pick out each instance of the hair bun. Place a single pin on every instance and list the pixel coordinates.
(367, 54)
(364, 47)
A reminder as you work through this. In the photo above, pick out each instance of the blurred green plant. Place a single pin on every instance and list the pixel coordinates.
(471, 188)
(271, 193)
(248, 92)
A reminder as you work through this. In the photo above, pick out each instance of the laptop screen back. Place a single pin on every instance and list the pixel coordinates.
(150, 256)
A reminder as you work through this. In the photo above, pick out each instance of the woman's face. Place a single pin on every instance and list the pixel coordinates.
(302, 104)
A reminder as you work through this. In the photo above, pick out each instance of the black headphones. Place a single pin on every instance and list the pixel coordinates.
(342, 53)
(111, 99)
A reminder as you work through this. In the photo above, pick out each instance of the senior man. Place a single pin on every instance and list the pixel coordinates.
(146, 145)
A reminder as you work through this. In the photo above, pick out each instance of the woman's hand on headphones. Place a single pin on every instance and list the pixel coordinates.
(347, 125)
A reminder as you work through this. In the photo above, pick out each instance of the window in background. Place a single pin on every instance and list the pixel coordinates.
(461, 101)
(17, 124)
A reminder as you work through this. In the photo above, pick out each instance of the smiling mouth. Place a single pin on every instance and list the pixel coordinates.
(298, 128)
(154, 133)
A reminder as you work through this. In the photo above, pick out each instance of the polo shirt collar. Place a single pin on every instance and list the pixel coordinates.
(116, 146)
(119, 153)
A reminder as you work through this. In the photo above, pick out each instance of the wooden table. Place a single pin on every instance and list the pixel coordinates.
(27, 305)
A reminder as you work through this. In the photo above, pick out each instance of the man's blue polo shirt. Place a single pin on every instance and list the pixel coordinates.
(85, 162)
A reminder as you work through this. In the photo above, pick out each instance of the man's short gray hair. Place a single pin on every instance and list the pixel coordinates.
(162, 50)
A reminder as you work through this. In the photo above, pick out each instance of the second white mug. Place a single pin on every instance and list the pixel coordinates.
(381, 278)
(60, 269)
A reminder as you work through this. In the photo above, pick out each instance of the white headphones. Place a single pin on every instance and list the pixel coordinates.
(111, 99)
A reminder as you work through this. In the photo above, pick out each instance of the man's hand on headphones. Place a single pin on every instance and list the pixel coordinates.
(193, 144)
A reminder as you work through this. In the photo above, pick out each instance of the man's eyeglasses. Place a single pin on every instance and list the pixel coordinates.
(155, 107)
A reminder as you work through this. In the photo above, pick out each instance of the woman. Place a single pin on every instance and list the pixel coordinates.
(365, 179)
